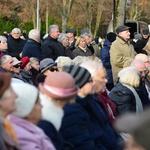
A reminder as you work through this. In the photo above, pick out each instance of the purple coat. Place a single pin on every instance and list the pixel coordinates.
(30, 136)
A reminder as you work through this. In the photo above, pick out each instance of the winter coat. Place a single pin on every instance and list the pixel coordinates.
(105, 58)
(123, 98)
(79, 52)
(15, 46)
(51, 48)
(30, 136)
(74, 128)
(120, 52)
(26, 77)
(32, 49)
(87, 126)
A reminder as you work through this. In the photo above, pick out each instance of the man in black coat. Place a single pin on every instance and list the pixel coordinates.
(33, 47)
(51, 48)
(15, 43)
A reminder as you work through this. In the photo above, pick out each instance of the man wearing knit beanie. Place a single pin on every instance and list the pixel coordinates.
(81, 75)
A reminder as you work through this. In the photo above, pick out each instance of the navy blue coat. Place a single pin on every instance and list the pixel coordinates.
(32, 49)
(105, 57)
(52, 133)
(86, 126)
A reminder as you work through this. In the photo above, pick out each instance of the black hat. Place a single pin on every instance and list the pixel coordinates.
(145, 31)
(122, 28)
(71, 31)
(80, 74)
(111, 36)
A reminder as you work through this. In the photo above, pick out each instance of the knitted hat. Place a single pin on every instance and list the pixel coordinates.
(80, 74)
(59, 85)
(16, 61)
(25, 61)
(137, 36)
(122, 28)
(4, 82)
(46, 64)
(27, 97)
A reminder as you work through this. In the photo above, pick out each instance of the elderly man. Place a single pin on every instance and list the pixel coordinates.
(15, 43)
(121, 50)
(33, 47)
(51, 48)
(6, 63)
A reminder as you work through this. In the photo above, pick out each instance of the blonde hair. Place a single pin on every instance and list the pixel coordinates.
(78, 40)
(129, 76)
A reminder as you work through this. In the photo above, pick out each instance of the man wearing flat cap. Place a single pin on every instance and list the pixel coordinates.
(145, 35)
(72, 40)
(121, 50)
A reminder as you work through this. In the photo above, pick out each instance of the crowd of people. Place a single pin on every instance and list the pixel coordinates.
(64, 92)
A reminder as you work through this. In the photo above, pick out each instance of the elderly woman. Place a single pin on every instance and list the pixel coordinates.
(124, 94)
(64, 39)
(3, 46)
(81, 47)
(62, 61)
(26, 116)
(57, 89)
(7, 106)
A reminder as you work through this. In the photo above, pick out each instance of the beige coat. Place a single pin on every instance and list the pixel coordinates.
(120, 52)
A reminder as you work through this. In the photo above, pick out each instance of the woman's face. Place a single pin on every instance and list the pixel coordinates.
(65, 42)
(82, 43)
(3, 45)
(35, 115)
(27, 67)
(7, 102)
(16, 68)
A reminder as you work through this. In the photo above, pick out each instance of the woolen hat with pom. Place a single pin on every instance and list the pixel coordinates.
(27, 97)
(25, 61)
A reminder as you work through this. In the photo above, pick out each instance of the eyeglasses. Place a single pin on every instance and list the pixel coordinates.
(17, 66)
(53, 69)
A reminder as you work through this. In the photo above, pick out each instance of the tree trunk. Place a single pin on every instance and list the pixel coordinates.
(47, 18)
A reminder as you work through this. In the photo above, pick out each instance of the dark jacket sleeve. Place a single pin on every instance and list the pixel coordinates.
(75, 128)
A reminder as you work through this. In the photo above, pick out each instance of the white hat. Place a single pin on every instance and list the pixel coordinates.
(27, 97)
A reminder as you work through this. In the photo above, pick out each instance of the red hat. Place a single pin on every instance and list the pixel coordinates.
(25, 61)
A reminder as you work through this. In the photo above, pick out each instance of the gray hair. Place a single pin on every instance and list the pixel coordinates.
(16, 29)
(51, 27)
(92, 66)
(79, 60)
(62, 36)
(33, 59)
(63, 61)
(129, 76)
(3, 38)
(34, 34)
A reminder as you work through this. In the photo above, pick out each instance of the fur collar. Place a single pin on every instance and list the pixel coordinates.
(50, 112)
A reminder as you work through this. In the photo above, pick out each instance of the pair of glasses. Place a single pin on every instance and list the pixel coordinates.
(17, 66)
(53, 69)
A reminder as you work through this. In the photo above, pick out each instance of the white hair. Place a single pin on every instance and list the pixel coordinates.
(34, 34)
(63, 61)
(16, 29)
(51, 27)
(92, 66)
(3, 38)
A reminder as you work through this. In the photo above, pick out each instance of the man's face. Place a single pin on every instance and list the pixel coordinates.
(15, 34)
(8, 64)
(143, 71)
(125, 35)
(145, 36)
(100, 81)
(55, 33)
